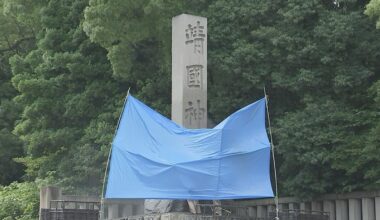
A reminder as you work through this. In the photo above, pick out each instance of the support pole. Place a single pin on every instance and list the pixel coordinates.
(101, 213)
(274, 160)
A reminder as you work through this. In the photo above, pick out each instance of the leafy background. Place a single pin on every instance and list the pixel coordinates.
(65, 67)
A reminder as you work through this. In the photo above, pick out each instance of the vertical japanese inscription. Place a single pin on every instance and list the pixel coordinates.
(194, 76)
(194, 113)
(195, 36)
(189, 71)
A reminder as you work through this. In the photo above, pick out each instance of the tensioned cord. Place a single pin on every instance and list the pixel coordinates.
(108, 159)
(274, 160)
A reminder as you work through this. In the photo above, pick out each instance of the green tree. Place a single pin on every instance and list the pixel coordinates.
(70, 101)
(373, 10)
(317, 59)
(137, 37)
(19, 201)
(15, 38)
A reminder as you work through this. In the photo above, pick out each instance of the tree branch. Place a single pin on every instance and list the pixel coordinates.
(16, 44)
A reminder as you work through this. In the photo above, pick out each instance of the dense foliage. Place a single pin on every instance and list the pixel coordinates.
(65, 67)
(70, 100)
(16, 37)
(373, 10)
(19, 201)
(318, 59)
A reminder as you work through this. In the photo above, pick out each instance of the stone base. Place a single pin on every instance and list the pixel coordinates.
(178, 216)
(165, 216)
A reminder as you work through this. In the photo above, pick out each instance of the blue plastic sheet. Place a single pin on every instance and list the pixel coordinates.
(154, 158)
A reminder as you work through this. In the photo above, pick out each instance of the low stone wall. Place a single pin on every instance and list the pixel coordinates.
(348, 206)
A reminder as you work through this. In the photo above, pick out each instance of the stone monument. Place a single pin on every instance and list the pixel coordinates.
(189, 71)
(189, 88)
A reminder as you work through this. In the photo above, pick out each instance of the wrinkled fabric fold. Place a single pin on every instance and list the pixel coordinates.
(154, 158)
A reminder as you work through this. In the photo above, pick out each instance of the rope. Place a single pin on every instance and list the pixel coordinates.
(108, 159)
(274, 160)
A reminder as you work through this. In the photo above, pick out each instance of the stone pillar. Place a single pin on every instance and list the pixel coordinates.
(283, 206)
(377, 208)
(48, 194)
(341, 210)
(127, 210)
(305, 206)
(294, 206)
(354, 207)
(271, 208)
(316, 206)
(368, 209)
(189, 71)
(252, 211)
(261, 211)
(113, 210)
(329, 206)
(189, 75)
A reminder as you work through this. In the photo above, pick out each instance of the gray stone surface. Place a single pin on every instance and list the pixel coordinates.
(355, 209)
(261, 211)
(329, 206)
(368, 209)
(177, 216)
(271, 208)
(189, 81)
(137, 217)
(189, 71)
(252, 211)
(293, 206)
(305, 206)
(113, 211)
(341, 209)
(47, 194)
(377, 208)
(151, 217)
(121, 208)
(316, 206)
(189, 87)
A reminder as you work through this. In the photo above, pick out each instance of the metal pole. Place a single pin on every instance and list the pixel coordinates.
(101, 211)
(274, 160)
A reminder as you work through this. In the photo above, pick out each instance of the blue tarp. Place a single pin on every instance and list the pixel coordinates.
(154, 158)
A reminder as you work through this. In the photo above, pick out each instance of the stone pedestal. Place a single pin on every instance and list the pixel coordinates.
(354, 207)
(178, 216)
(368, 209)
(341, 209)
(150, 217)
(329, 206)
(140, 217)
